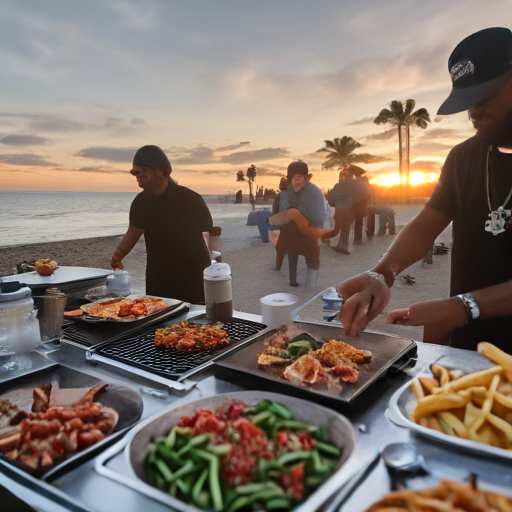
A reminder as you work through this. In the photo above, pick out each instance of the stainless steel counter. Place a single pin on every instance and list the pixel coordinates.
(85, 489)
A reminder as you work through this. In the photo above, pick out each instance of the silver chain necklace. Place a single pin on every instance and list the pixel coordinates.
(500, 216)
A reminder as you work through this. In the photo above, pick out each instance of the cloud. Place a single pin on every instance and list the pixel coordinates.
(118, 155)
(199, 155)
(26, 159)
(23, 140)
(55, 124)
(137, 121)
(271, 170)
(233, 146)
(257, 155)
(99, 170)
(364, 120)
(388, 134)
(426, 166)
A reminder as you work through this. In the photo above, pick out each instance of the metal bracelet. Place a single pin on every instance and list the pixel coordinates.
(472, 309)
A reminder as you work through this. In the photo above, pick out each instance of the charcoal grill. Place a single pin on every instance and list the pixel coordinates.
(136, 352)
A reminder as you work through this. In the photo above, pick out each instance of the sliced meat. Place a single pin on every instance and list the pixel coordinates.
(305, 369)
(267, 359)
(347, 372)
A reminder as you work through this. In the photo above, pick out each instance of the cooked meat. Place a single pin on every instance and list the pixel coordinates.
(185, 337)
(334, 352)
(347, 372)
(41, 398)
(305, 369)
(267, 359)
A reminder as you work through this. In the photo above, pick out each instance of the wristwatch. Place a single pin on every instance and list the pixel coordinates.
(473, 311)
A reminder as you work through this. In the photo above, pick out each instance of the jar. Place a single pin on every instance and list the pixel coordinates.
(118, 283)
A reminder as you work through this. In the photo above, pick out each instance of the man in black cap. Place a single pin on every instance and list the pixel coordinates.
(474, 191)
(172, 219)
(309, 200)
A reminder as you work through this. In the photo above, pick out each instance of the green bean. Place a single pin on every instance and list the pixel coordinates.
(295, 425)
(198, 486)
(160, 482)
(164, 470)
(170, 457)
(271, 421)
(280, 410)
(263, 405)
(221, 450)
(254, 487)
(328, 449)
(173, 490)
(264, 495)
(161, 440)
(194, 442)
(171, 439)
(320, 434)
(188, 468)
(278, 504)
(249, 410)
(203, 500)
(315, 480)
(213, 478)
(297, 456)
(184, 431)
(261, 417)
(318, 467)
(183, 487)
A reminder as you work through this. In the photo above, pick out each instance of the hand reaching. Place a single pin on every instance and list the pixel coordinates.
(365, 296)
(116, 263)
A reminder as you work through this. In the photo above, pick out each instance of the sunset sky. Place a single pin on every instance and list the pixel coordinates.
(220, 85)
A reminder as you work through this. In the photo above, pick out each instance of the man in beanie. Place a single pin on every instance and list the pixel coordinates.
(474, 191)
(309, 200)
(172, 219)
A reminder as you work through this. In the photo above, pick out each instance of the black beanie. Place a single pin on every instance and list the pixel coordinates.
(297, 167)
(151, 156)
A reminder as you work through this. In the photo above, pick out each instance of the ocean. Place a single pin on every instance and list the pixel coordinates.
(29, 217)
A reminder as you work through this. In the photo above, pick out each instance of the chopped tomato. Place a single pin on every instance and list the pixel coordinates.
(295, 481)
(307, 441)
(235, 411)
(208, 422)
(282, 437)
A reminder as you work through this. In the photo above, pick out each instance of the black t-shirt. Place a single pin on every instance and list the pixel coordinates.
(177, 254)
(479, 258)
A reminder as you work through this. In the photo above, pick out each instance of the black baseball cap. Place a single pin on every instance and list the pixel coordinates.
(151, 156)
(297, 167)
(479, 66)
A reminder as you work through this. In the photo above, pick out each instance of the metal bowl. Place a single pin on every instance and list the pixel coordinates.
(339, 428)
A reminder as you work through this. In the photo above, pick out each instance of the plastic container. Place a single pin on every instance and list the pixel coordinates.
(218, 293)
(118, 283)
(276, 309)
(331, 300)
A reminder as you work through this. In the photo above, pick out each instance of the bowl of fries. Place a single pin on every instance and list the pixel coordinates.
(472, 411)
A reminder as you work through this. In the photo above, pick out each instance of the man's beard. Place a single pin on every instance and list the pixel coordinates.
(499, 135)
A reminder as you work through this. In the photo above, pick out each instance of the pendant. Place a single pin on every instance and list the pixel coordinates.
(500, 221)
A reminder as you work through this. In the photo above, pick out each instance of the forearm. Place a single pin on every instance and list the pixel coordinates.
(128, 242)
(412, 243)
(494, 301)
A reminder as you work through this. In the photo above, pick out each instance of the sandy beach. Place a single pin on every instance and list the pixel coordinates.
(252, 263)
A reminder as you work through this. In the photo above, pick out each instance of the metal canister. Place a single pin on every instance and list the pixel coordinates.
(218, 293)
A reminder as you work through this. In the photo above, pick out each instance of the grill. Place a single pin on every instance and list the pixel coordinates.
(139, 350)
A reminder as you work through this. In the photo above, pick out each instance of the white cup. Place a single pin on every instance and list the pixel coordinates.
(276, 309)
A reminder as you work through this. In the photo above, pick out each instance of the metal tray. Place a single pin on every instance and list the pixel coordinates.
(65, 278)
(398, 414)
(126, 401)
(442, 464)
(174, 306)
(387, 351)
(137, 353)
(340, 430)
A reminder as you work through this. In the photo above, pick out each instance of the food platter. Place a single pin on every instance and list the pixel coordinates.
(340, 430)
(126, 401)
(387, 352)
(174, 306)
(403, 400)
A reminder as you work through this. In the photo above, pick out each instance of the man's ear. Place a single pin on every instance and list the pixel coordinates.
(310, 176)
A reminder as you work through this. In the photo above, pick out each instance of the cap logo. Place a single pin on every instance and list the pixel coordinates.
(461, 69)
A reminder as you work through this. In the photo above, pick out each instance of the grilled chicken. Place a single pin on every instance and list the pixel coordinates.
(267, 359)
(334, 352)
(305, 369)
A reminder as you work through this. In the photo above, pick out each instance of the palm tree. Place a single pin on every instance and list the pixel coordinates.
(341, 153)
(402, 116)
(251, 176)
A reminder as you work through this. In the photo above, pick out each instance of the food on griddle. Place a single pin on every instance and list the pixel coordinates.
(75, 312)
(238, 458)
(476, 406)
(40, 438)
(186, 337)
(121, 309)
(447, 496)
(309, 361)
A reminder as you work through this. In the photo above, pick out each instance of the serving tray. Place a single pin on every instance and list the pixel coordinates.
(340, 430)
(387, 352)
(126, 401)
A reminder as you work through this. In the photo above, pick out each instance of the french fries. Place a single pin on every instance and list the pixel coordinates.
(476, 406)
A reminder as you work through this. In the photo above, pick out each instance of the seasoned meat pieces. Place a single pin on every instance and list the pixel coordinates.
(333, 352)
(305, 369)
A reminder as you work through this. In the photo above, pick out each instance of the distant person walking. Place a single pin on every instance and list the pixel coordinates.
(281, 201)
(172, 219)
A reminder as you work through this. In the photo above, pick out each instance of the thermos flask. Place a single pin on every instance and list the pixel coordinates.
(217, 292)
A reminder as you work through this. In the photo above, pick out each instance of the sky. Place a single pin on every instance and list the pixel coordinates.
(221, 85)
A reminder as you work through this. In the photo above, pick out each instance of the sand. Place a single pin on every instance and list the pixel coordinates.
(252, 263)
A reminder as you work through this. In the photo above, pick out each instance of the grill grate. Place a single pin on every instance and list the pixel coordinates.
(140, 351)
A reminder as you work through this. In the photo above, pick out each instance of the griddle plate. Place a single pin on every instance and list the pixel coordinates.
(140, 351)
